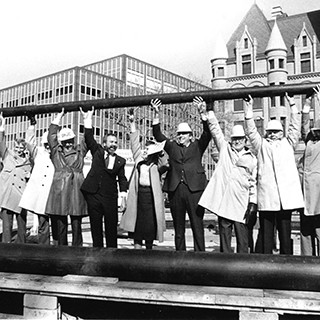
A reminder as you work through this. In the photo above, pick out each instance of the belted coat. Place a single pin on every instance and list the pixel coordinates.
(129, 218)
(233, 183)
(13, 177)
(65, 197)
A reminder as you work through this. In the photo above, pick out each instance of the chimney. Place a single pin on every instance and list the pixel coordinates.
(277, 12)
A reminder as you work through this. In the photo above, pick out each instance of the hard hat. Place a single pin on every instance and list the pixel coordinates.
(274, 125)
(237, 131)
(44, 138)
(155, 148)
(183, 127)
(65, 134)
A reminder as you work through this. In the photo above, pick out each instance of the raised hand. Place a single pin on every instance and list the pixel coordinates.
(87, 114)
(200, 104)
(290, 100)
(248, 107)
(155, 105)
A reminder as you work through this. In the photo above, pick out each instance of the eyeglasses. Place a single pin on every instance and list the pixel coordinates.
(273, 131)
(182, 133)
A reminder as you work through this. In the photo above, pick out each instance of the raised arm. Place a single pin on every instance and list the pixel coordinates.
(253, 134)
(91, 143)
(134, 137)
(305, 119)
(3, 147)
(215, 130)
(206, 135)
(295, 122)
(159, 136)
(53, 131)
(31, 137)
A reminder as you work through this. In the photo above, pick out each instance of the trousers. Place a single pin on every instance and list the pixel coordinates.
(182, 200)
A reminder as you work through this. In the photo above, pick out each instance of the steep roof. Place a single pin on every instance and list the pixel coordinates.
(260, 28)
(291, 27)
(276, 41)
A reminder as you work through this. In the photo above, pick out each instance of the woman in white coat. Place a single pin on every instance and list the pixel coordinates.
(144, 217)
(279, 190)
(35, 196)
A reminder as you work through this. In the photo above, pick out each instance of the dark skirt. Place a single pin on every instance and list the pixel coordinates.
(146, 224)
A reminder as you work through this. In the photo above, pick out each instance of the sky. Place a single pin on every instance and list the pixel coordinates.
(40, 37)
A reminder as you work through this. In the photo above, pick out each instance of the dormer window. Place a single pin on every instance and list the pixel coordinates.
(246, 43)
(304, 41)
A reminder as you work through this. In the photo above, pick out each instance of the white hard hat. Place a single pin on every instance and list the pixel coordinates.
(65, 134)
(44, 138)
(183, 127)
(237, 131)
(274, 125)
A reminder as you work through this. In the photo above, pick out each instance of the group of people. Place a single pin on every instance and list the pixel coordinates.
(255, 176)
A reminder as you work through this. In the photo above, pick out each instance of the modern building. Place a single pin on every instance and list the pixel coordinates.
(261, 52)
(114, 77)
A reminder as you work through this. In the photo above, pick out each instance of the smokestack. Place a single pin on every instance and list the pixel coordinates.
(277, 12)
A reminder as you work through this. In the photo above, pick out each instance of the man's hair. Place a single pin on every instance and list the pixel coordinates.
(110, 134)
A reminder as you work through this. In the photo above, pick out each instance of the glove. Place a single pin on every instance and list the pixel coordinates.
(32, 119)
(251, 215)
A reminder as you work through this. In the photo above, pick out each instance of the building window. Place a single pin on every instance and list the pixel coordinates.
(212, 72)
(246, 43)
(305, 62)
(304, 41)
(246, 64)
(220, 71)
(281, 63)
(238, 105)
(271, 64)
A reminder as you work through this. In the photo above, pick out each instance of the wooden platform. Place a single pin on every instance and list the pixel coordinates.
(43, 291)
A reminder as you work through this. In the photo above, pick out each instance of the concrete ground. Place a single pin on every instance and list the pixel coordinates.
(210, 228)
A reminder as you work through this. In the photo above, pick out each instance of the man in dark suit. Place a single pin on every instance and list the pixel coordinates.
(100, 187)
(186, 179)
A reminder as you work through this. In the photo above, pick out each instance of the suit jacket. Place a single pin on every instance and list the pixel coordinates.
(185, 162)
(100, 179)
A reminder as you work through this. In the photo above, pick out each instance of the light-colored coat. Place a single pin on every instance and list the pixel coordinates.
(13, 177)
(129, 218)
(233, 183)
(310, 170)
(278, 179)
(36, 193)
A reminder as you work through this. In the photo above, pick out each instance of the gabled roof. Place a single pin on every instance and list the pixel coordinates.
(291, 27)
(260, 28)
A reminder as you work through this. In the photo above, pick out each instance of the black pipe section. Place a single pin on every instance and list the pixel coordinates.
(166, 98)
(284, 272)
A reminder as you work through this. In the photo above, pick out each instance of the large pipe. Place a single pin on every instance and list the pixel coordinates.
(166, 98)
(190, 268)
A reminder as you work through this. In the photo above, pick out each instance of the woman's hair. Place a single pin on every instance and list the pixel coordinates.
(21, 141)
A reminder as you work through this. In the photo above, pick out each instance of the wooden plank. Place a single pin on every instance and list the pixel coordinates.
(167, 294)
(88, 279)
